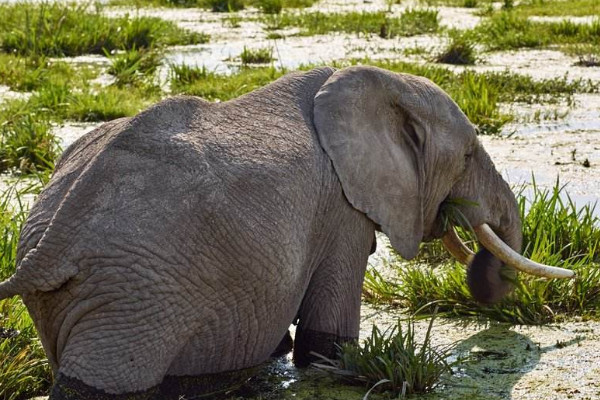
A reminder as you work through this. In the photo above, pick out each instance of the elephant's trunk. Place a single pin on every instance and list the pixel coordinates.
(488, 277)
(492, 269)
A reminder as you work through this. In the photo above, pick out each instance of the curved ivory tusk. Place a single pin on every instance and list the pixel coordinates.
(497, 247)
(456, 247)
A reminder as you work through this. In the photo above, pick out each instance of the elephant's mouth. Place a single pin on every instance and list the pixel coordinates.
(492, 243)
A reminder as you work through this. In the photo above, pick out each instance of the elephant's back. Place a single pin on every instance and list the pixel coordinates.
(185, 168)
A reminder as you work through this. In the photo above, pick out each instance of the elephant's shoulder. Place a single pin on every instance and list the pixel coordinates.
(162, 132)
(171, 117)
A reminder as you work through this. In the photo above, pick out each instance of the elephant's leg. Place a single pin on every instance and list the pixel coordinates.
(118, 350)
(330, 311)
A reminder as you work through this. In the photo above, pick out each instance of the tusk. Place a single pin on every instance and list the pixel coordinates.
(497, 247)
(457, 248)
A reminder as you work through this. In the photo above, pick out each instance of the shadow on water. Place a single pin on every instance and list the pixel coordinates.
(491, 363)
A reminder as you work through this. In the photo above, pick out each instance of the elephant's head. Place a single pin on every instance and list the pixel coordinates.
(401, 147)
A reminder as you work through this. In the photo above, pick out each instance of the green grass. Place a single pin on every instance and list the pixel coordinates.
(26, 74)
(223, 5)
(26, 142)
(270, 6)
(555, 232)
(60, 101)
(24, 370)
(460, 51)
(60, 29)
(524, 89)
(409, 23)
(556, 8)
(509, 30)
(454, 3)
(267, 6)
(64, 92)
(134, 66)
(197, 81)
(393, 361)
(256, 56)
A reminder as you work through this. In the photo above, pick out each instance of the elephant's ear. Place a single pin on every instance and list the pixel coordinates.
(367, 120)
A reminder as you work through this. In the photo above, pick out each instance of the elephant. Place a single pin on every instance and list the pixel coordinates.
(170, 251)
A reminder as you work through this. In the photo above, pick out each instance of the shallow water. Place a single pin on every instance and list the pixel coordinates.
(7, 94)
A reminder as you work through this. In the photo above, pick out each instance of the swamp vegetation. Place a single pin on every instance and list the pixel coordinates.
(47, 68)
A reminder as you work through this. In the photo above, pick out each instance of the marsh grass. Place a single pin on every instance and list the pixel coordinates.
(107, 104)
(588, 60)
(460, 51)
(393, 360)
(68, 29)
(24, 370)
(256, 56)
(27, 74)
(452, 3)
(197, 81)
(555, 232)
(61, 93)
(223, 5)
(266, 6)
(507, 30)
(134, 66)
(59, 101)
(555, 8)
(411, 22)
(525, 89)
(26, 141)
(270, 6)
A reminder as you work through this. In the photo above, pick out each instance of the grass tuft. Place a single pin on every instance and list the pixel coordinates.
(460, 51)
(224, 5)
(270, 6)
(393, 361)
(256, 56)
(26, 141)
(134, 66)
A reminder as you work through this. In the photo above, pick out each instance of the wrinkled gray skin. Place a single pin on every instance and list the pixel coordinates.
(185, 240)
